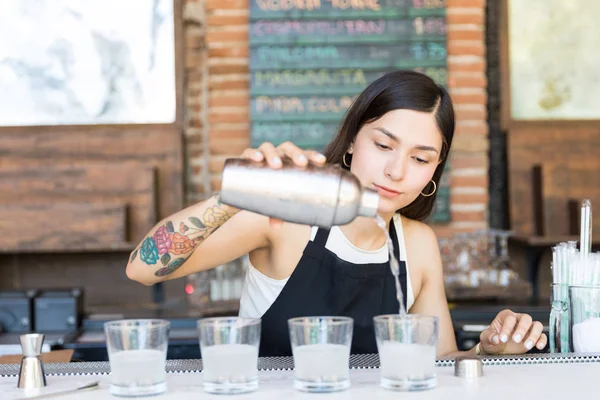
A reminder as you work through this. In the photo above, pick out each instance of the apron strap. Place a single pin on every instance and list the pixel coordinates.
(321, 237)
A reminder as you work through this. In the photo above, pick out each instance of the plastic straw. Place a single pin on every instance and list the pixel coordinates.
(585, 242)
(555, 266)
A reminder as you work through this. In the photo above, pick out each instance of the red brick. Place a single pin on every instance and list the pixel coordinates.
(193, 60)
(195, 154)
(475, 144)
(194, 107)
(194, 75)
(212, 5)
(233, 83)
(229, 117)
(465, 161)
(195, 122)
(467, 216)
(234, 100)
(228, 69)
(465, 3)
(469, 98)
(465, 18)
(197, 170)
(467, 80)
(465, 132)
(237, 51)
(216, 164)
(194, 140)
(226, 20)
(230, 133)
(465, 35)
(470, 114)
(193, 93)
(470, 181)
(466, 198)
(196, 188)
(215, 183)
(471, 66)
(193, 100)
(194, 41)
(228, 146)
(466, 48)
(226, 37)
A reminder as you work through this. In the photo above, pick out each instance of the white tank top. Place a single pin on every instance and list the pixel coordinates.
(259, 291)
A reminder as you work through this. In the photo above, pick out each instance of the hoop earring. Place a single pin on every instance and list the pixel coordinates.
(344, 160)
(434, 189)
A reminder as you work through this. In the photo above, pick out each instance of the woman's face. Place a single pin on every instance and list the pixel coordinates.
(397, 156)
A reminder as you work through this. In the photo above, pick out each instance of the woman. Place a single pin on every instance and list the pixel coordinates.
(395, 138)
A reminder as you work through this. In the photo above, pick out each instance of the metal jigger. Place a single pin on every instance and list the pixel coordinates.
(31, 373)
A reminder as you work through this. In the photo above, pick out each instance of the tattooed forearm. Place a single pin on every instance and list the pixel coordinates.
(170, 248)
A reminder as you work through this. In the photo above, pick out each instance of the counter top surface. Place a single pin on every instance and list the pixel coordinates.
(500, 381)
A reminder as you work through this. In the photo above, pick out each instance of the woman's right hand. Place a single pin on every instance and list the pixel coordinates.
(273, 155)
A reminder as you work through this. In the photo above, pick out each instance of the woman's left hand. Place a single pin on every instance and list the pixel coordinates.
(512, 333)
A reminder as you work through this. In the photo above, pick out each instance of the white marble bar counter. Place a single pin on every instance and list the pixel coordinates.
(562, 377)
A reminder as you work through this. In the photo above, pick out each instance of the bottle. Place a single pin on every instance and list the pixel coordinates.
(313, 195)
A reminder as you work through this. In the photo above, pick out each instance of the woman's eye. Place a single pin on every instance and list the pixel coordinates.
(421, 161)
(382, 146)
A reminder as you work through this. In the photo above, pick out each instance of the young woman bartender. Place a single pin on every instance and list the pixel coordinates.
(395, 138)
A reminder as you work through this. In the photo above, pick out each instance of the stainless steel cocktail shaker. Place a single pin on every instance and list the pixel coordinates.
(312, 195)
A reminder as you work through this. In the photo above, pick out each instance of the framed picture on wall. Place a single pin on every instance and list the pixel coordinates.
(550, 62)
(73, 62)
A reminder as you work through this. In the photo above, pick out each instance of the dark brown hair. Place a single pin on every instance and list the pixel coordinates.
(398, 90)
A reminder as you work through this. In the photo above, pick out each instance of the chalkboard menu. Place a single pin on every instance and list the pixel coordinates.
(310, 58)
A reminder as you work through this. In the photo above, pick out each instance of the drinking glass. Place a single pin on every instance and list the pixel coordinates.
(559, 318)
(407, 348)
(229, 351)
(137, 352)
(321, 349)
(584, 309)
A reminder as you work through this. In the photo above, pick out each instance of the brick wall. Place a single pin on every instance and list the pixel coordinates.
(217, 99)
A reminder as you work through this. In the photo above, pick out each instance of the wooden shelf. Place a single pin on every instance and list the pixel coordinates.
(545, 241)
(91, 248)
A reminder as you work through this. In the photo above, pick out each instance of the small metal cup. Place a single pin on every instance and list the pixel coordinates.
(468, 367)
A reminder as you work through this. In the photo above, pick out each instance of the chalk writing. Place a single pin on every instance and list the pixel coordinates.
(322, 77)
(431, 50)
(296, 105)
(309, 59)
(355, 4)
(428, 3)
(295, 54)
(426, 26)
(340, 27)
(287, 5)
(307, 131)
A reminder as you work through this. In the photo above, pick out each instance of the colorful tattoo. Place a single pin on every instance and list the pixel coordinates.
(172, 248)
(134, 255)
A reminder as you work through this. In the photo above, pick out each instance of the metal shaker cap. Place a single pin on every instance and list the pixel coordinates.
(369, 203)
(468, 367)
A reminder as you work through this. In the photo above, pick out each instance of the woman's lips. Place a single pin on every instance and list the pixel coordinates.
(386, 192)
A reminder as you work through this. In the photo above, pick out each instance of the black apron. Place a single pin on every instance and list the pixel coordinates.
(325, 285)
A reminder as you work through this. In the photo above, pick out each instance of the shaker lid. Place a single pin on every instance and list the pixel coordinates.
(369, 203)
